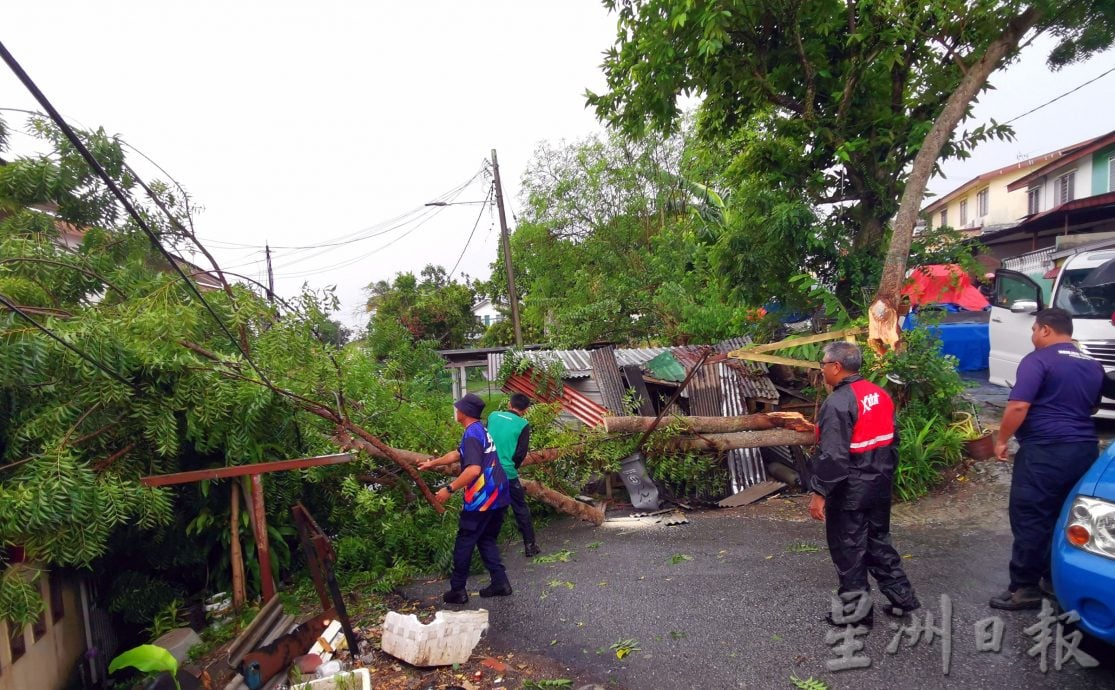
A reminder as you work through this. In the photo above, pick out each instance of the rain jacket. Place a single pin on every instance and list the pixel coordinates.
(858, 446)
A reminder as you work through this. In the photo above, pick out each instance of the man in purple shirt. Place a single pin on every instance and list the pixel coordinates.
(1056, 390)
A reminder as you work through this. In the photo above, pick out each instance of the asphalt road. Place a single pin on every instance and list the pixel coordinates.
(734, 600)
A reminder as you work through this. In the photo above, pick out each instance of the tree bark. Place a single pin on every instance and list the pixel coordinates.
(743, 439)
(751, 422)
(883, 308)
(563, 503)
(236, 556)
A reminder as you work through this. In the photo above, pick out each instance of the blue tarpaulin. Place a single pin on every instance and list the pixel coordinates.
(968, 342)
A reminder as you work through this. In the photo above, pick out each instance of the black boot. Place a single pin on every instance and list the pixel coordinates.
(531, 549)
(494, 590)
(456, 596)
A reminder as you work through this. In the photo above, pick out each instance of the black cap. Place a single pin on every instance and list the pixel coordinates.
(472, 405)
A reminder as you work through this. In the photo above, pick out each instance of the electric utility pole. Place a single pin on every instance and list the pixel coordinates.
(270, 275)
(505, 237)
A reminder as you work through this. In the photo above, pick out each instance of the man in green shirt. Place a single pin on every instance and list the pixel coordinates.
(511, 434)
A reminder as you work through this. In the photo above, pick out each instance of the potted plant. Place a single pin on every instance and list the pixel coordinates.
(978, 442)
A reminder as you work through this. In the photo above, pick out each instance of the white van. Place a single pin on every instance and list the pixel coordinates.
(1017, 297)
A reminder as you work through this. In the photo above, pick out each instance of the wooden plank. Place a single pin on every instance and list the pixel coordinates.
(807, 340)
(244, 470)
(748, 355)
(752, 494)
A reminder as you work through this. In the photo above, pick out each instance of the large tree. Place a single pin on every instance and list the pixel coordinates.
(112, 368)
(842, 96)
(613, 244)
(429, 306)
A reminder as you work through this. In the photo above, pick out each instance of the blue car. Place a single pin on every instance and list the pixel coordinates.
(1084, 550)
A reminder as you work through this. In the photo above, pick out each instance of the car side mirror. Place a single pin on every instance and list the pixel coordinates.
(1024, 306)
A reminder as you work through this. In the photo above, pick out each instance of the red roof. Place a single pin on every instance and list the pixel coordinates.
(1082, 149)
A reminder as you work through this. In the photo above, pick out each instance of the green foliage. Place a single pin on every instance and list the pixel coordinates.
(142, 599)
(561, 556)
(926, 447)
(924, 381)
(431, 308)
(167, 619)
(147, 658)
(809, 683)
(692, 475)
(812, 113)
(74, 442)
(546, 373)
(19, 595)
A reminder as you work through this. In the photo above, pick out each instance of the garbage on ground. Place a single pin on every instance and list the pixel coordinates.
(359, 679)
(448, 640)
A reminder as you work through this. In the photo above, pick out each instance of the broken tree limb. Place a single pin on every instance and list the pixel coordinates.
(564, 503)
(743, 439)
(751, 422)
(351, 436)
(550, 497)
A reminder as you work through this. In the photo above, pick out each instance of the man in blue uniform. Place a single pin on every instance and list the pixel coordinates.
(485, 502)
(852, 481)
(1056, 391)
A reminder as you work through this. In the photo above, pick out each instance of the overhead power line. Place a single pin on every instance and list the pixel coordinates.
(54, 336)
(1054, 100)
(474, 226)
(117, 192)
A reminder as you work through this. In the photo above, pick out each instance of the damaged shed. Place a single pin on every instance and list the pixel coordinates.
(600, 381)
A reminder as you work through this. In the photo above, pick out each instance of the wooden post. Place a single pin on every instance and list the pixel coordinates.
(236, 557)
(258, 517)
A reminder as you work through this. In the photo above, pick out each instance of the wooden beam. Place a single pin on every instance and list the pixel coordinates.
(773, 359)
(245, 470)
(806, 340)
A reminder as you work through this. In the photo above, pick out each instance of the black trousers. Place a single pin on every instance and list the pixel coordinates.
(521, 511)
(1042, 479)
(859, 543)
(478, 529)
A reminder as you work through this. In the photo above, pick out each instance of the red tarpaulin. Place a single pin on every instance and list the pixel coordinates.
(943, 284)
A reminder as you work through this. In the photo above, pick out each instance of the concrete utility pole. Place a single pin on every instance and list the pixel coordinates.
(270, 275)
(505, 237)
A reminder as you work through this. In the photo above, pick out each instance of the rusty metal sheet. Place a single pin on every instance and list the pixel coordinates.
(577, 405)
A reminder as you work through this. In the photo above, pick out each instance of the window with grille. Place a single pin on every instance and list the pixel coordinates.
(944, 217)
(981, 203)
(1033, 200)
(963, 213)
(1064, 188)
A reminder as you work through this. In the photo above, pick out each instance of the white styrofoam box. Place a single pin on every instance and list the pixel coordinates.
(359, 679)
(448, 640)
(178, 642)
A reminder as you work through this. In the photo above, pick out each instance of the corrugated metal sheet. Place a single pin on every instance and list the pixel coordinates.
(577, 405)
(608, 379)
(750, 381)
(577, 363)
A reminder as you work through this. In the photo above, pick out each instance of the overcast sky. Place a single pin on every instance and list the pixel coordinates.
(318, 123)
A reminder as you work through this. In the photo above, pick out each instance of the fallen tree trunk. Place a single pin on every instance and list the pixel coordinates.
(564, 503)
(751, 422)
(742, 439)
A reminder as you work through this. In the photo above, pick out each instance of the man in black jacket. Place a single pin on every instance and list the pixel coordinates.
(852, 480)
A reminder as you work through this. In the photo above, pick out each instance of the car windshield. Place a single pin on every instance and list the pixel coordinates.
(1090, 302)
